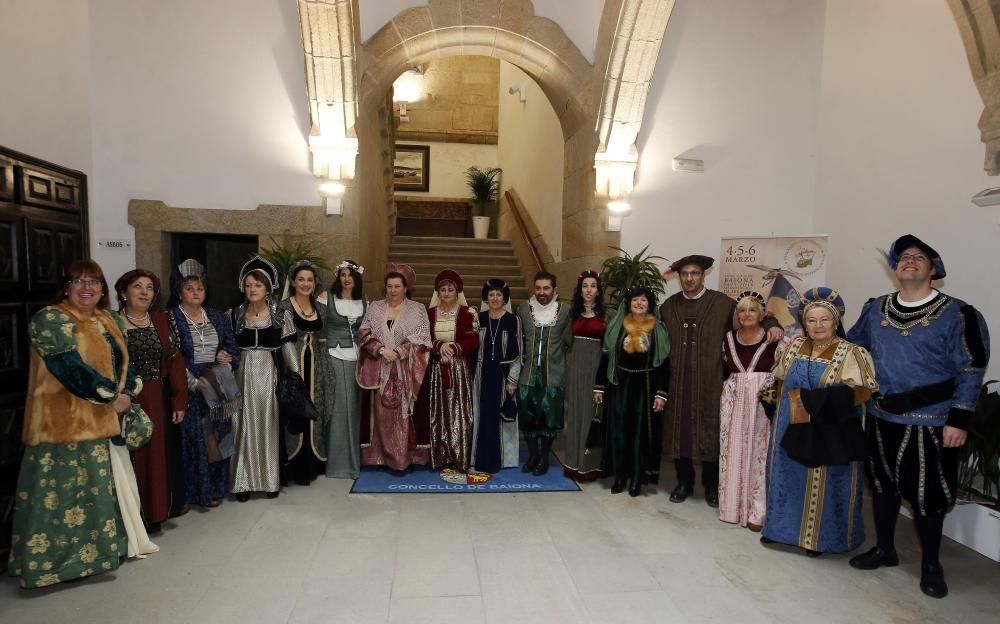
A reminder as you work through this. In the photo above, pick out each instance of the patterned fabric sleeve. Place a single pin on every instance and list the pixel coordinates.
(227, 341)
(469, 340)
(133, 382)
(971, 354)
(858, 373)
(52, 335)
(860, 334)
(288, 337)
(515, 366)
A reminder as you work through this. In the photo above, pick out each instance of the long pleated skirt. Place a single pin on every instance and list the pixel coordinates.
(255, 465)
(344, 441)
(581, 369)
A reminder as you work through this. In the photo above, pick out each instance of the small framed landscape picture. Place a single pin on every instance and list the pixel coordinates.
(411, 169)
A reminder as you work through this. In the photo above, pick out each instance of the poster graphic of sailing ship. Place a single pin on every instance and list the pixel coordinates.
(780, 268)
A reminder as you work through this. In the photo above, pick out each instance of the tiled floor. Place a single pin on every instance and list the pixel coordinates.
(319, 554)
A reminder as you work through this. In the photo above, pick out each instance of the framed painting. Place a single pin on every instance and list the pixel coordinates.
(411, 169)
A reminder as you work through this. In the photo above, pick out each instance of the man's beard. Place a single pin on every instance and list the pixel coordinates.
(543, 299)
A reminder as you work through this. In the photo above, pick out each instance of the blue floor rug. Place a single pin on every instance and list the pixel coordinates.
(423, 480)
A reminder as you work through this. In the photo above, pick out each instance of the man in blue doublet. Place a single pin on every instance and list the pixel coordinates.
(930, 352)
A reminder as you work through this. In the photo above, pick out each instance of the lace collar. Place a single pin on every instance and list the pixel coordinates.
(544, 315)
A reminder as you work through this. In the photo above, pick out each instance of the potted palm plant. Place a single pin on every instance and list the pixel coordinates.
(975, 521)
(485, 186)
(285, 257)
(621, 272)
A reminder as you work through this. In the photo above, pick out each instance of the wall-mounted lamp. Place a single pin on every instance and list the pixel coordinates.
(617, 210)
(407, 88)
(333, 197)
(521, 91)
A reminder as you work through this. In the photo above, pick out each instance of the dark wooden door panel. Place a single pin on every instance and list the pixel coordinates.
(6, 179)
(11, 251)
(41, 188)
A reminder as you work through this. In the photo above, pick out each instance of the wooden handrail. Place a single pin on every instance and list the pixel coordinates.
(516, 211)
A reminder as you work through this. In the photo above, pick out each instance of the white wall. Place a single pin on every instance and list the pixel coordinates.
(900, 151)
(736, 84)
(45, 102)
(448, 164)
(579, 18)
(198, 104)
(531, 153)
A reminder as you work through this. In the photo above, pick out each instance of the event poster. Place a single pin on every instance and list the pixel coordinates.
(780, 268)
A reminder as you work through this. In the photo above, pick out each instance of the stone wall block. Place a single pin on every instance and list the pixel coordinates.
(445, 13)
(412, 22)
(479, 41)
(550, 35)
(384, 40)
(480, 13)
(515, 15)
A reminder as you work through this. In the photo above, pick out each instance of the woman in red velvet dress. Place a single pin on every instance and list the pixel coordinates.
(446, 395)
(154, 352)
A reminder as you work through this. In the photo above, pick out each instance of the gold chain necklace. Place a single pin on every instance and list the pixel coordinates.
(921, 317)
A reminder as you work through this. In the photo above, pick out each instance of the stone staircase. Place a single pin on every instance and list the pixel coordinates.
(475, 260)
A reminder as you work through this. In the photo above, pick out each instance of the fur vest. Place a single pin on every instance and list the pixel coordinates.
(52, 414)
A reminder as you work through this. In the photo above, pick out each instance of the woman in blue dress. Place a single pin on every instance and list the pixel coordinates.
(498, 364)
(206, 340)
(817, 507)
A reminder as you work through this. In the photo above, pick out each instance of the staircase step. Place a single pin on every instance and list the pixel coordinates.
(470, 265)
(448, 240)
(502, 247)
(432, 268)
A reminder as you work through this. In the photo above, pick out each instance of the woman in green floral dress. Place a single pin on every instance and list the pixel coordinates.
(66, 519)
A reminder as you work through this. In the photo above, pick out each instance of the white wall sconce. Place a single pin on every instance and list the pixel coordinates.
(617, 210)
(333, 197)
(987, 197)
(521, 91)
(406, 89)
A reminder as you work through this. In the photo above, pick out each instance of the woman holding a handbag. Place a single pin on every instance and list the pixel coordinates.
(264, 334)
(154, 350)
(582, 359)
(498, 366)
(632, 387)
(206, 343)
(305, 438)
(816, 505)
(67, 523)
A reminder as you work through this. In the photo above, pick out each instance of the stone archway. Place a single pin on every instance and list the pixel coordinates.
(599, 106)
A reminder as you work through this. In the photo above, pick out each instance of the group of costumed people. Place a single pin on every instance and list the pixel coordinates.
(781, 426)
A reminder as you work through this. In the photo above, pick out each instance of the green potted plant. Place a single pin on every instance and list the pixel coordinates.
(621, 272)
(975, 520)
(485, 186)
(979, 461)
(285, 257)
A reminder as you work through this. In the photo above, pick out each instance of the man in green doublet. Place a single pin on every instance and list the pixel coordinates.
(541, 386)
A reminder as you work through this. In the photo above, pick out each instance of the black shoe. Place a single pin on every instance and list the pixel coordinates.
(272, 494)
(546, 449)
(766, 540)
(875, 558)
(681, 492)
(542, 466)
(932, 580)
(154, 527)
(635, 489)
(812, 553)
(533, 455)
(712, 497)
(618, 486)
(243, 496)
